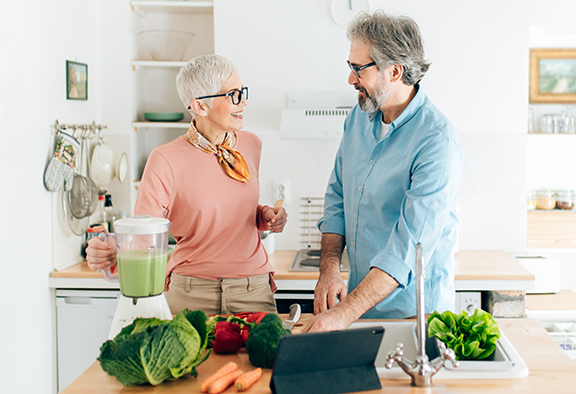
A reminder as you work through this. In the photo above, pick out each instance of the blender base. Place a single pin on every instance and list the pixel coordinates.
(129, 309)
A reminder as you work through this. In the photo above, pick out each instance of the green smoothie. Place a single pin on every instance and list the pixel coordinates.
(141, 272)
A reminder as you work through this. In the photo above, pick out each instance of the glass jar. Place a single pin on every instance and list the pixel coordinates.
(531, 200)
(545, 199)
(565, 199)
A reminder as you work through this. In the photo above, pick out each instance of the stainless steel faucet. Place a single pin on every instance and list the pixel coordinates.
(421, 370)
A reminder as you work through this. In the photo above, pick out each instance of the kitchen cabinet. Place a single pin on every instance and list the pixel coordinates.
(84, 318)
(154, 81)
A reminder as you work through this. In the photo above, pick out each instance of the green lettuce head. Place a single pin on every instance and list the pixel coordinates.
(471, 337)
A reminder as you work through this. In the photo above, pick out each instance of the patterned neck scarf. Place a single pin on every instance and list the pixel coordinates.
(231, 161)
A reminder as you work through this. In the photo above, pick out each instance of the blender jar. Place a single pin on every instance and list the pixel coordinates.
(141, 253)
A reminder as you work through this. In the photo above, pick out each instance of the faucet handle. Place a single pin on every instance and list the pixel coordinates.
(394, 355)
(448, 354)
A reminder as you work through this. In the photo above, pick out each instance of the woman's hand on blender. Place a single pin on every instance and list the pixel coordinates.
(100, 254)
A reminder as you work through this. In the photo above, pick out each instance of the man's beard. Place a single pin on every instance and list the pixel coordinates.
(372, 103)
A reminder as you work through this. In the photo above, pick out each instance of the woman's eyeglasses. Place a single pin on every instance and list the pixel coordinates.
(235, 95)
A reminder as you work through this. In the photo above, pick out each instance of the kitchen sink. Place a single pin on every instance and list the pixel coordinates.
(504, 364)
(308, 260)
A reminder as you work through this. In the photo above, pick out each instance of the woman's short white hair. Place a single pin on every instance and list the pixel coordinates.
(203, 76)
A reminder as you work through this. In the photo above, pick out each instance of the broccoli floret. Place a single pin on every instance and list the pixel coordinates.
(262, 344)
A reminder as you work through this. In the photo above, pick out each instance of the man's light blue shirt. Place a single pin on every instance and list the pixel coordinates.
(388, 194)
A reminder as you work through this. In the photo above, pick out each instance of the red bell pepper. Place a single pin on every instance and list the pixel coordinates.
(227, 337)
(248, 323)
(242, 315)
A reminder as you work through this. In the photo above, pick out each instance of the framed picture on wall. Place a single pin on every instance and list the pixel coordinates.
(553, 76)
(76, 81)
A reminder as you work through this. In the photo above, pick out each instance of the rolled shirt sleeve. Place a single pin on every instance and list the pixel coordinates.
(333, 219)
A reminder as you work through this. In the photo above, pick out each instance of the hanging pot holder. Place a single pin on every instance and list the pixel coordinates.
(60, 169)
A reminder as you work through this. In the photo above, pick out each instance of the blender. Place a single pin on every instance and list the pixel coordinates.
(141, 255)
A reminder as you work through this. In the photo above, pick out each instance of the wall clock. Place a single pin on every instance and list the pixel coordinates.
(344, 11)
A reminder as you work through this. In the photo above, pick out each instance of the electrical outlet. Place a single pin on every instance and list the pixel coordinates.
(281, 191)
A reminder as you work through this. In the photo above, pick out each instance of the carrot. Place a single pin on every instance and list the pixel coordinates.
(222, 384)
(245, 381)
(224, 370)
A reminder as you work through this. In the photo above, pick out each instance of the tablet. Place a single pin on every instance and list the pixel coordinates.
(327, 362)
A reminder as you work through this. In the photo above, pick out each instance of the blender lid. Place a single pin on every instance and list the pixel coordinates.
(141, 224)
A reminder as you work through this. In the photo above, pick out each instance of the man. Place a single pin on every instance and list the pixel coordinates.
(395, 184)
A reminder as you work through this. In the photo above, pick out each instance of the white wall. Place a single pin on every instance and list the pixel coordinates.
(37, 39)
(479, 79)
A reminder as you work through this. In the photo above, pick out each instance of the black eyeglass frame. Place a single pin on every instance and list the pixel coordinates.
(357, 69)
(243, 92)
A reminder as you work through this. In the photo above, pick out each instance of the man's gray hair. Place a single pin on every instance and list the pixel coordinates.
(392, 40)
(203, 76)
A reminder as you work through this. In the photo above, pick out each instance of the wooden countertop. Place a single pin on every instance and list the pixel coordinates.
(470, 265)
(564, 300)
(551, 370)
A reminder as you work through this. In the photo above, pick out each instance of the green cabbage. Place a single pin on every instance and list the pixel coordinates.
(151, 350)
(471, 337)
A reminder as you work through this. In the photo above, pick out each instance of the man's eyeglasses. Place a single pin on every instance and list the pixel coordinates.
(357, 69)
(235, 95)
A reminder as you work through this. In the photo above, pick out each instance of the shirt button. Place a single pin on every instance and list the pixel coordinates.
(353, 244)
(355, 216)
(360, 188)
(371, 161)
(353, 270)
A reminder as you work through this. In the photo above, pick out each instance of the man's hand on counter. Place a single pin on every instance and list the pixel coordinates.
(376, 286)
(330, 320)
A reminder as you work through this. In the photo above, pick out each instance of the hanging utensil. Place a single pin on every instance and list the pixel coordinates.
(101, 163)
(83, 196)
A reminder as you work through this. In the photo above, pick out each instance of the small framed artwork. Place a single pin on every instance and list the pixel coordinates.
(553, 76)
(76, 81)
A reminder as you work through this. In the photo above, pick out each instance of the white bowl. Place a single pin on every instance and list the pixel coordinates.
(166, 44)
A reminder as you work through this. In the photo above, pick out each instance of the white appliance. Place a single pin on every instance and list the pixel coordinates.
(316, 115)
(84, 318)
(546, 271)
(467, 301)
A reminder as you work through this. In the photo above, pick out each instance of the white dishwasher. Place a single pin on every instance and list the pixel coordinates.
(84, 318)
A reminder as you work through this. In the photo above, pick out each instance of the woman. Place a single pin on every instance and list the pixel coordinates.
(206, 183)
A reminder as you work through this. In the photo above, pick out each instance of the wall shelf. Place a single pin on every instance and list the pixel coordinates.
(550, 134)
(173, 7)
(160, 125)
(156, 63)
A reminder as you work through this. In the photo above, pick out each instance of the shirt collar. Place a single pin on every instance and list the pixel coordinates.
(408, 112)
